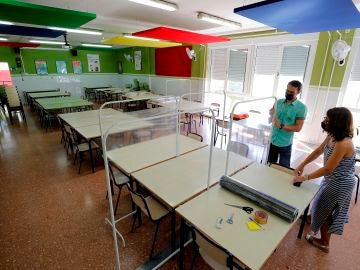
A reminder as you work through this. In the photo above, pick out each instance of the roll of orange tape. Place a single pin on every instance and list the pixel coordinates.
(260, 217)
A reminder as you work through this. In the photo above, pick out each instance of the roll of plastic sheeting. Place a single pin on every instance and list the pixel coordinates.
(265, 201)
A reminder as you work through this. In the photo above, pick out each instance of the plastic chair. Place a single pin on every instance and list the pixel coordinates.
(13, 102)
(63, 132)
(188, 121)
(213, 106)
(221, 128)
(215, 255)
(239, 148)
(150, 207)
(195, 136)
(68, 139)
(118, 179)
(81, 147)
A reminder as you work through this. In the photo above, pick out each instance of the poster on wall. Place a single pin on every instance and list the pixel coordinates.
(61, 67)
(77, 67)
(137, 57)
(120, 68)
(41, 67)
(93, 62)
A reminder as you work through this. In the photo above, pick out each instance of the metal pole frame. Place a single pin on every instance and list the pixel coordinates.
(231, 123)
(104, 136)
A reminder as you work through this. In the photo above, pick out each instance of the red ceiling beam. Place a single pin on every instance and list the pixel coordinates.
(18, 44)
(172, 34)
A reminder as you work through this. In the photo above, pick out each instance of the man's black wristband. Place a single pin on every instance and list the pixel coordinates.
(281, 126)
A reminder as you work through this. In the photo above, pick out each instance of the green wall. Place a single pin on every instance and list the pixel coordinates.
(108, 59)
(198, 67)
(7, 55)
(148, 61)
(321, 56)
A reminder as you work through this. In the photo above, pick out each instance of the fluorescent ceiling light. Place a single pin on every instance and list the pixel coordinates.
(357, 4)
(6, 22)
(143, 38)
(96, 45)
(3, 39)
(158, 4)
(217, 20)
(78, 31)
(47, 42)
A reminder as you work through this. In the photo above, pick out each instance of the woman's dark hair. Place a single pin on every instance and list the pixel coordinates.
(340, 123)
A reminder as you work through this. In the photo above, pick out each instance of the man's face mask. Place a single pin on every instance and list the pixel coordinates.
(289, 96)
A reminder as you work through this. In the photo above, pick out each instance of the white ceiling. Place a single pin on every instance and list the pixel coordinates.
(115, 17)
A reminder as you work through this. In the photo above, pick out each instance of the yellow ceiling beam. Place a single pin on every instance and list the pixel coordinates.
(121, 40)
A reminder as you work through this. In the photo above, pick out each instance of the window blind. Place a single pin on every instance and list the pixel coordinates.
(218, 69)
(218, 64)
(267, 58)
(355, 71)
(294, 60)
(237, 66)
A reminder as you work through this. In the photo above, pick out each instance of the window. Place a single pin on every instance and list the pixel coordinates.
(218, 70)
(275, 66)
(237, 68)
(352, 93)
(293, 66)
(257, 70)
(266, 66)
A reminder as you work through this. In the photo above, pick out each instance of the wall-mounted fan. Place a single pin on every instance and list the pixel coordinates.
(191, 54)
(128, 57)
(339, 51)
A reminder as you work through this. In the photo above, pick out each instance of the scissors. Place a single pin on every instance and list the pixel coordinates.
(247, 209)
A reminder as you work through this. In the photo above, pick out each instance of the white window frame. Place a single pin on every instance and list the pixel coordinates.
(285, 40)
(246, 70)
(355, 49)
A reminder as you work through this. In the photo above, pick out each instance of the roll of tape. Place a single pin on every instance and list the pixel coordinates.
(261, 217)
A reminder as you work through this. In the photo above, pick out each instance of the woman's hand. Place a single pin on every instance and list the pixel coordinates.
(299, 170)
(299, 179)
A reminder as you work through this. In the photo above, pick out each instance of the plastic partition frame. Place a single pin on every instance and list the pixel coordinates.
(104, 136)
(215, 93)
(231, 123)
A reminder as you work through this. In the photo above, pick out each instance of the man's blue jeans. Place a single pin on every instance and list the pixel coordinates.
(283, 152)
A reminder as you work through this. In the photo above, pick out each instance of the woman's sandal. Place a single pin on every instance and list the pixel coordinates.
(313, 241)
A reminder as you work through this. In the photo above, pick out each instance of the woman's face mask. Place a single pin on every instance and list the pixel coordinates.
(325, 124)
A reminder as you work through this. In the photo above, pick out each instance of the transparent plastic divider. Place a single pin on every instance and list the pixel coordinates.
(254, 130)
(138, 132)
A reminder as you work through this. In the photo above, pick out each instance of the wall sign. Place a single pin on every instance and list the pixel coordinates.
(93, 62)
(41, 67)
(137, 57)
(61, 67)
(77, 67)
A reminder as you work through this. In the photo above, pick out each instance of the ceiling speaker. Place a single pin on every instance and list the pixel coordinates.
(74, 52)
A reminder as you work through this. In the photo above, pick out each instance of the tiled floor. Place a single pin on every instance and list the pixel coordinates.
(53, 218)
